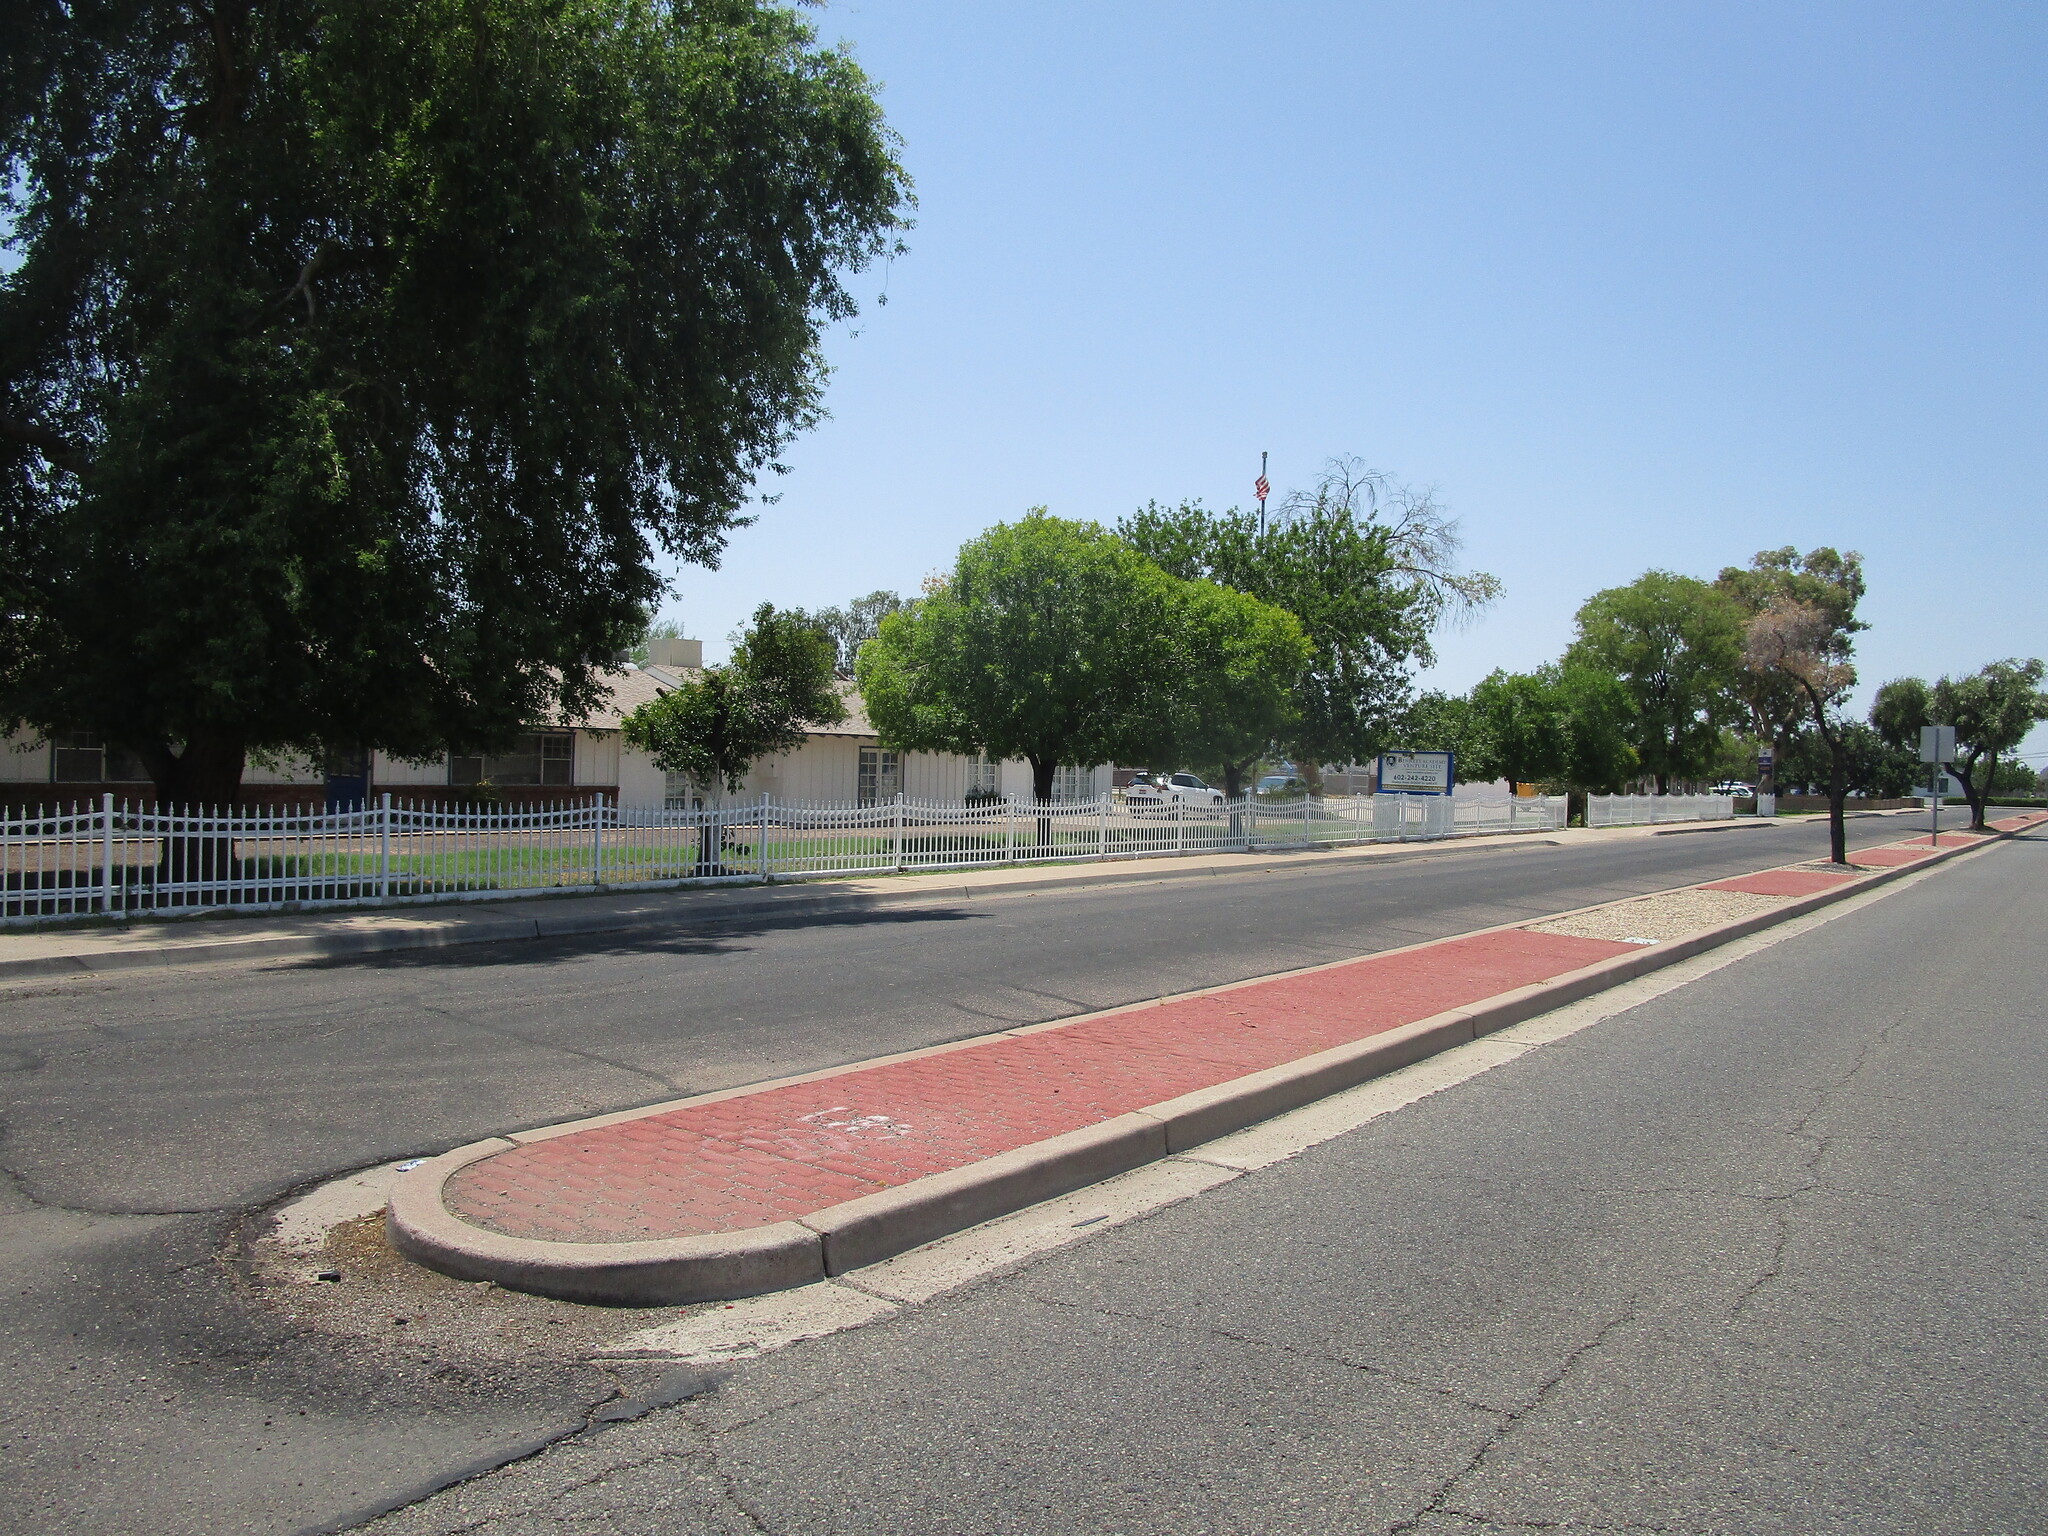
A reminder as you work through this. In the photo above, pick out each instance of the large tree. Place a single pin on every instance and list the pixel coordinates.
(1676, 645)
(1992, 710)
(1809, 646)
(1368, 566)
(718, 725)
(1059, 643)
(359, 357)
(1041, 644)
(1229, 664)
(1823, 580)
(1558, 724)
(856, 624)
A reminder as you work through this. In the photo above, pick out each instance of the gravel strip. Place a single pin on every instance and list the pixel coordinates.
(1667, 915)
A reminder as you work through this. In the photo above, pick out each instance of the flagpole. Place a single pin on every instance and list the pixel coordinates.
(1262, 492)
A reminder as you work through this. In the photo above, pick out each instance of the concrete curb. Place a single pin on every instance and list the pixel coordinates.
(865, 1231)
(708, 907)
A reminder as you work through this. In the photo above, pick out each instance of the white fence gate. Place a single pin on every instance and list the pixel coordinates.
(118, 860)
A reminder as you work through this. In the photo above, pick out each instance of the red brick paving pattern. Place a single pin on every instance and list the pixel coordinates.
(1783, 882)
(784, 1152)
(1889, 858)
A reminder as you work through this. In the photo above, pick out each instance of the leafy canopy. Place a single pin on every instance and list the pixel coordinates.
(1675, 644)
(1059, 643)
(1992, 710)
(1040, 645)
(1368, 567)
(855, 625)
(717, 726)
(1559, 724)
(1824, 582)
(360, 356)
(1229, 663)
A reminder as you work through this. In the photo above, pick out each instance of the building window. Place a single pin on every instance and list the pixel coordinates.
(984, 778)
(83, 757)
(1070, 784)
(678, 793)
(77, 757)
(881, 777)
(540, 757)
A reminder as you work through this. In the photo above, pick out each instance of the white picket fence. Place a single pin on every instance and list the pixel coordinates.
(119, 860)
(1651, 810)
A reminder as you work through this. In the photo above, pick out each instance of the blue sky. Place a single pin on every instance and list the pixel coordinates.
(1632, 286)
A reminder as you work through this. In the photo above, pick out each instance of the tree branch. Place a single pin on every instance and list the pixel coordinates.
(329, 258)
(54, 446)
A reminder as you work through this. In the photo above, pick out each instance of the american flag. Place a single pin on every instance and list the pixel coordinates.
(1261, 489)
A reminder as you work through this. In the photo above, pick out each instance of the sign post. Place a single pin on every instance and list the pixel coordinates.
(1937, 750)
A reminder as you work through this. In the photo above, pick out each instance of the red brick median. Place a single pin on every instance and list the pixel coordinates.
(753, 1159)
(765, 1157)
(1783, 882)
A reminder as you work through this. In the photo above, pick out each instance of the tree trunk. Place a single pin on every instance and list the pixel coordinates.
(1966, 775)
(1767, 781)
(1312, 778)
(1233, 780)
(208, 773)
(205, 777)
(1663, 783)
(1838, 789)
(1042, 770)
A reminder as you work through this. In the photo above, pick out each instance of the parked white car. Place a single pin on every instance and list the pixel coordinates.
(1165, 788)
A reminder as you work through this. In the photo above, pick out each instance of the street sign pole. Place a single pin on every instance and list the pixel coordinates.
(1937, 749)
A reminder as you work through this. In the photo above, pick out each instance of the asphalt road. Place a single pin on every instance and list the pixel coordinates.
(148, 1115)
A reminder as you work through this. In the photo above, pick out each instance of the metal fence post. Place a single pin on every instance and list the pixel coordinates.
(384, 848)
(763, 838)
(597, 841)
(896, 841)
(1102, 826)
(1009, 830)
(106, 853)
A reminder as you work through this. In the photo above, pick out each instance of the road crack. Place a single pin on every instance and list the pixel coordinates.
(1439, 1502)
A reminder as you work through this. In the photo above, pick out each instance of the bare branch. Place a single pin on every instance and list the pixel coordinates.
(1422, 536)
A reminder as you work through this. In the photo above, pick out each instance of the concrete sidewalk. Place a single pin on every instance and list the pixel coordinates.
(732, 1193)
(55, 951)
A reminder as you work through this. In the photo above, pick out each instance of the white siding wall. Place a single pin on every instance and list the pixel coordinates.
(24, 759)
(827, 769)
(939, 777)
(284, 770)
(640, 782)
(823, 768)
(597, 757)
(388, 772)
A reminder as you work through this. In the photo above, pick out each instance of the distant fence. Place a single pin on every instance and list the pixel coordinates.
(1856, 803)
(1650, 810)
(117, 860)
